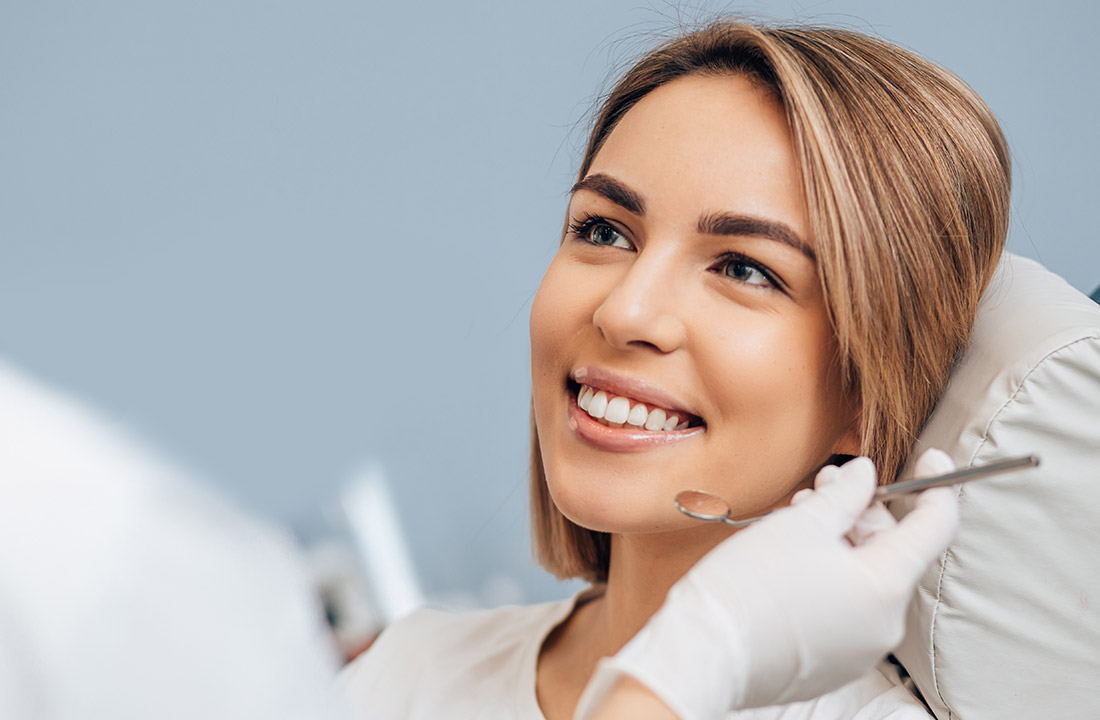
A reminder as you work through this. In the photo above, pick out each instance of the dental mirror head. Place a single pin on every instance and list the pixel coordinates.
(701, 505)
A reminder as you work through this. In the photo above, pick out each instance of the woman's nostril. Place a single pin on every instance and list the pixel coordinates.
(645, 344)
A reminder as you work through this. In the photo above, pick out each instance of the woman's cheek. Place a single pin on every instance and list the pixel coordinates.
(550, 308)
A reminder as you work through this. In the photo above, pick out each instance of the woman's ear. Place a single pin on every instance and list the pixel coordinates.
(849, 402)
(848, 443)
(847, 446)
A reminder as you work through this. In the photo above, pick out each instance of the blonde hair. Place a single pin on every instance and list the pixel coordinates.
(906, 176)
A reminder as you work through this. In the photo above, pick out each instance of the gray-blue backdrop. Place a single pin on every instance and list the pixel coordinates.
(282, 239)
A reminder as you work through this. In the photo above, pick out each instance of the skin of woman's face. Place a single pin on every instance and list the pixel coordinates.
(687, 282)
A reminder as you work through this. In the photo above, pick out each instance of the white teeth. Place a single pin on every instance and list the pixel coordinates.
(656, 419)
(597, 406)
(618, 409)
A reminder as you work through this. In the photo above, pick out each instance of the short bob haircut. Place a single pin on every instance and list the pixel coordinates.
(906, 176)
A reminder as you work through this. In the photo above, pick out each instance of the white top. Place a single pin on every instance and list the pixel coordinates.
(481, 664)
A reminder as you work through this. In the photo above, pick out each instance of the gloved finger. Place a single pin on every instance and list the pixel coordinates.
(933, 462)
(877, 517)
(904, 552)
(803, 494)
(873, 520)
(826, 476)
(842, 499)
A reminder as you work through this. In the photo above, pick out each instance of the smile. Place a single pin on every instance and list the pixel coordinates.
(618, 411)
(621, 414)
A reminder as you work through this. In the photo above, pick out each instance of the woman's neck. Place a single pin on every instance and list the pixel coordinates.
(642, 569)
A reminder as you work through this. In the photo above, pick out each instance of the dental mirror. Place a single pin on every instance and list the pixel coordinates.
(704, 506)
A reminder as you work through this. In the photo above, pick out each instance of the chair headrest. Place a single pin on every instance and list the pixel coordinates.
(1007, 623)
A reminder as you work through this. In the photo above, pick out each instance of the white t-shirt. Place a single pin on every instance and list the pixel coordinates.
(434, 664)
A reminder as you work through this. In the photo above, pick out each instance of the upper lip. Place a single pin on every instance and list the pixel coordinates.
(634, 388)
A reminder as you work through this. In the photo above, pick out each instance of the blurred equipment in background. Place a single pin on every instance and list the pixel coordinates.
(345, 591)
(373, 522)
(129, 592)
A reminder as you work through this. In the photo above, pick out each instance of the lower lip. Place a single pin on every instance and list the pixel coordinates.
(622, 439)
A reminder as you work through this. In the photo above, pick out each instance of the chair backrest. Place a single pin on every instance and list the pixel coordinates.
(1007, 623)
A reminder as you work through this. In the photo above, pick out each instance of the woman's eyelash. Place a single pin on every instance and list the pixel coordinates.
(599, 231)
(730, 258)
(580, 228)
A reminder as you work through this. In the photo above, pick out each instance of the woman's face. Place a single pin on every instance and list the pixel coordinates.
(686, 284)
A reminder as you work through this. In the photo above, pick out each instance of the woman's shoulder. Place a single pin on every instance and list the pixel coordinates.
(432, 659)
(433, 630)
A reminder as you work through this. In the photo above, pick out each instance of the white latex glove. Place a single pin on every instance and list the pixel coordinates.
(794, 606)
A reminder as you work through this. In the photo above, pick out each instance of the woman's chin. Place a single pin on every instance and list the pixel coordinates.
(618, 513)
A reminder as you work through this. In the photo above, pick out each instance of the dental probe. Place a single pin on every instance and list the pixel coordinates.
(704, 506)
(957, 477)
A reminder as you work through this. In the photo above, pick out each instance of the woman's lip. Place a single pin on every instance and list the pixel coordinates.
(632, 388)
(622, 439)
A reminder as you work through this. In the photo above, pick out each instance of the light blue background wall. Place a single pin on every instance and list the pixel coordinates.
(281, 239)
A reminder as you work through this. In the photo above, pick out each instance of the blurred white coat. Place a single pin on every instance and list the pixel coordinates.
(128, 592)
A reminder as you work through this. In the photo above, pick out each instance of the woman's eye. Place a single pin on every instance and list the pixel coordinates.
(607, 235)
(601, 233)
(746, 272)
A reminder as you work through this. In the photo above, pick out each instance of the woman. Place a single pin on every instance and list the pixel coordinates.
(773, 252)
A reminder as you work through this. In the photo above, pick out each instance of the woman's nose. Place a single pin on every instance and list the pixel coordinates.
(645, 308)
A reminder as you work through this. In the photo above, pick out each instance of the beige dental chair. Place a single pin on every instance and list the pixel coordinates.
(1007, 623)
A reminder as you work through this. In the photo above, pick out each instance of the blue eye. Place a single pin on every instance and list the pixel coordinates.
(746, 271)
(598, 231)
(607, 235)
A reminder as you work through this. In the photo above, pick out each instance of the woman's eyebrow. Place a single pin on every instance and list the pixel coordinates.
(720, 223)
(716, 223)
(614, 191)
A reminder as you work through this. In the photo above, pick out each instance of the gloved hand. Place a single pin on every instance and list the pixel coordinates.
(796, 605)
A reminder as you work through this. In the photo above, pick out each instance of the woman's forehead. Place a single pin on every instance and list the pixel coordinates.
(705, 145)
